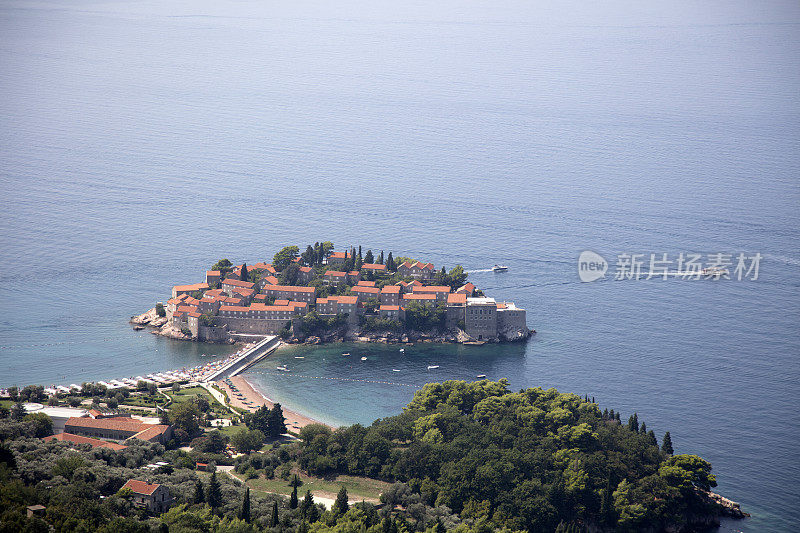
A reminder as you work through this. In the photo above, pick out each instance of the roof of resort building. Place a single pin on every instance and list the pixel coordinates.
(415, 283)
(305, 270)
(140, 487)
(338, 255)
(354, 273)
(190, 288)
(288, 288)
(231, 308)
(468, 288)
(78, 439)
(238, 283)
(271, 280)
(186, 309)
(481, 301)
(264, 307)
(373, 266)
(214, 292)
(150, 432)
(358, 289)
(230, 300)
(119, 423)
(191, 301)
(391, 289)
(335, 273)
(402, 284)
(344, 299)
(213, 273)
(195, 314)
(457, 298)
(243, 292)
(390, 308)
(418, 296)
(177, 314)
(298, 305)
(365, 283)
(431, 288)
(259, 266)
(281, 302)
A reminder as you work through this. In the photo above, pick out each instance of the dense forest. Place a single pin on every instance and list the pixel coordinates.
(529, 460)
(462, 457)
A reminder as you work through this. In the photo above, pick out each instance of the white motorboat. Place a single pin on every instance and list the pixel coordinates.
(431, 367)
(499, 268)
(481, 376)
(363, 358)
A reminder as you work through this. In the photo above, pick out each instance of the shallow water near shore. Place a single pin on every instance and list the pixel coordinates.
(143, 141)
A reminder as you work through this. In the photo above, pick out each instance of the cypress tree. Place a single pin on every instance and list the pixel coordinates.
(359, 253)
(244, 276)
(605, 413)
(380, 258)
(618, 418)
(214, 495)
(199, 496)
(666, 444)
(308, 503)
(341, 505)
(390, 266)
(369, 258)
(643, 429)
(273, 521)
(244, 513)
(633, 423)
(611, 415)
(651, 436)
(293, 499)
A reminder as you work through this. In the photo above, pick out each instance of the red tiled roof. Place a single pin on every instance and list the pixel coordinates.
(119, 423)
(271, 280)
(390, 308)
(457, 298)
(214, 292)
(344, 299)
(338, 255)
(238, 283)
(263, 307)
(78, 439)
(190, 288)
(213, 273)
(298, 304)
(186, 309)
(373, 266)
(281, 302)
(468, 287)
(354, 273)
(289, 288)
(195, 315)
(151, 432)
(305, 270)
(140, 487)
(365, 283)
(391, 289)
(417, 296)
(243, 292)
(432, 288)
(177, 314)
(501, 305)
(335, 273)
(365, 290)
(234, 308)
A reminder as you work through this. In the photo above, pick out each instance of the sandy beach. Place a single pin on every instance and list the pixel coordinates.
(294, 420)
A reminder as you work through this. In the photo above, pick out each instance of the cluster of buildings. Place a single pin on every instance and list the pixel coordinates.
(266, 307)
(98, 429)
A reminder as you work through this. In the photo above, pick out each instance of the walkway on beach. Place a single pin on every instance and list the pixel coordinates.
(248, 358)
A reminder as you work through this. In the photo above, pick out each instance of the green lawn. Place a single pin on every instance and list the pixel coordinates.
(357, 487)
(6, 403)
(144, 401)
(188, 394)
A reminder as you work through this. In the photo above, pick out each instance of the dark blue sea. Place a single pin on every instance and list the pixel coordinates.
(142, 141)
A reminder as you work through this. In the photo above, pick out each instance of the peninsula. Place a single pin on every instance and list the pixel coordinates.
(324, 295)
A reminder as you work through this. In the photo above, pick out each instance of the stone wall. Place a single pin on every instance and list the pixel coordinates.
(252, 325)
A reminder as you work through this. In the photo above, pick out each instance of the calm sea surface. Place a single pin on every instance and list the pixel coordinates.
(142, 141)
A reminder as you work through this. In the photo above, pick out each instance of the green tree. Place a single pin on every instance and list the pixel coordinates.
(214, 493)
(288, 275)
(309, 256)
(223, 266)
(276, 422)
(390, 266)
(341, 505)
(307, 504)
(244, 512)
(18, 411)
(273, 521)
(293, 499)
(247, 440)
(633, 423)
(380, 258)
(244, 275)
(199, 493)
(160, 311)
(186, 416)
(369, 258)
(284, 257)
(43, 423)
(666, 444)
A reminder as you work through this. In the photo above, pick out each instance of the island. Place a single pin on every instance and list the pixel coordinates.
(324, 295)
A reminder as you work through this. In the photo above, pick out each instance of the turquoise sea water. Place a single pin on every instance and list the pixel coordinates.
(141, 142)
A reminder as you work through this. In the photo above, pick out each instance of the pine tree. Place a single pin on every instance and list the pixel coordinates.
(244, 513)
(633, 423)
(359, 253)
(643, 429)
(651, 436)
(341, 505)
(308, 503)
(244, 276)
(293, 499)
(611, 415)
(666, 444)
(390, 266)
(18, 411)
(199, 495)
(276, 422)
(273, 521)
(605, 413)
(380, 258)
(214, 494)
